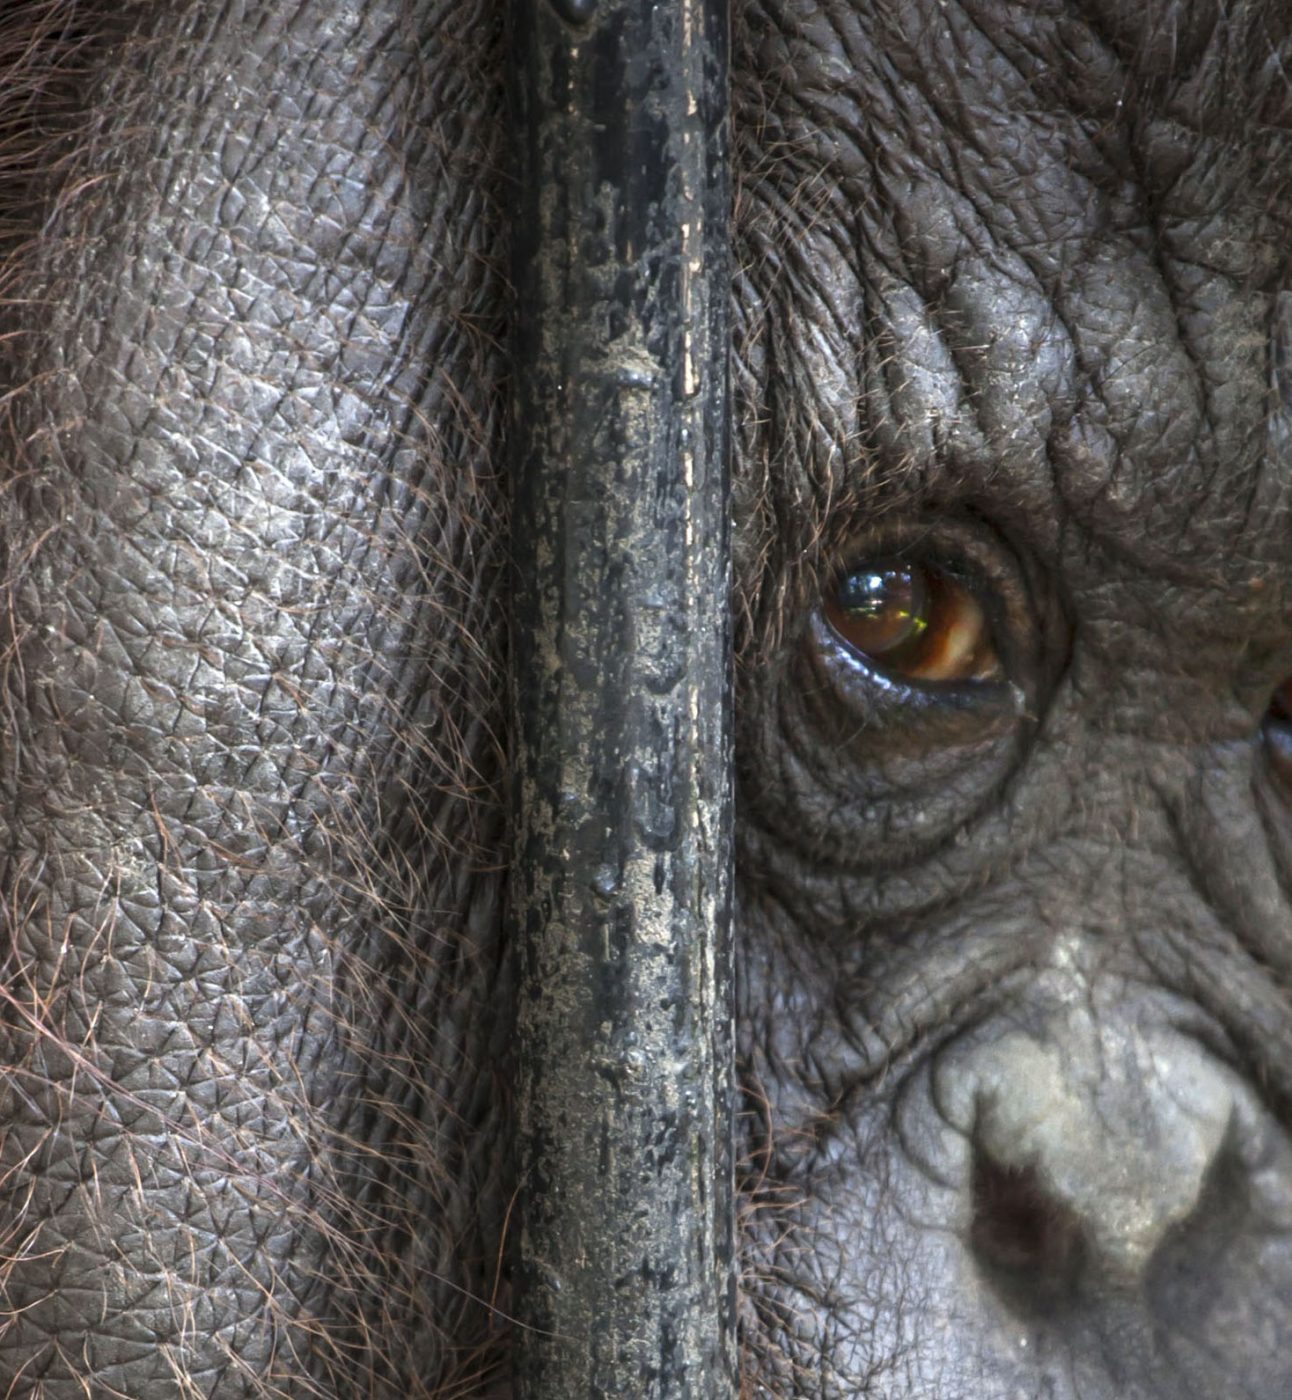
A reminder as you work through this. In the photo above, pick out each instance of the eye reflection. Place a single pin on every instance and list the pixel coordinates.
(913, 621)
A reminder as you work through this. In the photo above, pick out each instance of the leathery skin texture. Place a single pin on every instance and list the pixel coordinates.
(251, 1125)
(1013, 309)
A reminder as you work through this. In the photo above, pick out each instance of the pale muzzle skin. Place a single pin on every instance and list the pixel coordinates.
(1014, 949)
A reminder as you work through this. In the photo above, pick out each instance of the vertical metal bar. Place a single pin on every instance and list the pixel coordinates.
(622, 881)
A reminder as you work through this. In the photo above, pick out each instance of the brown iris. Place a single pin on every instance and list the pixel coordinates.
(914, 621)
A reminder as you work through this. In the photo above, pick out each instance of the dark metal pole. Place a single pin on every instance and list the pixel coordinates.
(622, 880)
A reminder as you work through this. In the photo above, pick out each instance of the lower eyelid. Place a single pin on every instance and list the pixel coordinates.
(854, 697)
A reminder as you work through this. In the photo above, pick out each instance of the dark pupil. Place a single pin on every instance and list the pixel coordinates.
(887, 605)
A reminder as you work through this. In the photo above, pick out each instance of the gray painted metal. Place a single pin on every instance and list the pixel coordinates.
(622, 697)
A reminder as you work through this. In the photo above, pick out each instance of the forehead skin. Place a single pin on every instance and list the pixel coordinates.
(1027, 260)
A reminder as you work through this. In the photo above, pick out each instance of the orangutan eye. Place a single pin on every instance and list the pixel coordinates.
(1278, 729)
(1281, 704)
(914, 621)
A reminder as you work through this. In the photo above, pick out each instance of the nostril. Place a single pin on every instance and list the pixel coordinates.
(1030, 1246)
(1195, 1251)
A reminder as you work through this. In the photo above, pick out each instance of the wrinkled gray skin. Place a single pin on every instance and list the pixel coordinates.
(1015, 300)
